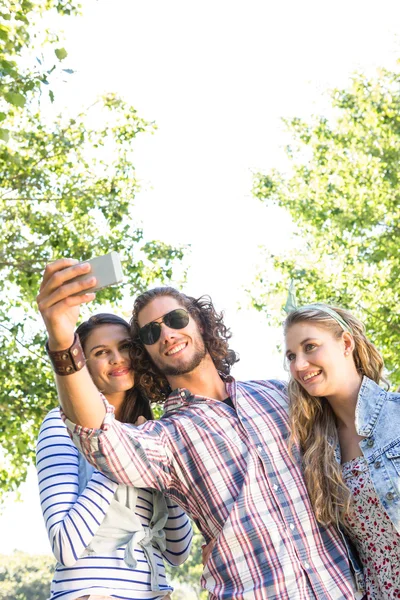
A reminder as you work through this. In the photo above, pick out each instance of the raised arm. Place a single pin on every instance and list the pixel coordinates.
(72, 515)
(59, 308)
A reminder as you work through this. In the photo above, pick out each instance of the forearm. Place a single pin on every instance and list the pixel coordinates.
(80, 399)
(59, 300)
(179, 534)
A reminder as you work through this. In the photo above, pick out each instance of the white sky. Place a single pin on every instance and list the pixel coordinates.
(216, 76)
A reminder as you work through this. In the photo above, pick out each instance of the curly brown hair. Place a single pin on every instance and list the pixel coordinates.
(214, 332)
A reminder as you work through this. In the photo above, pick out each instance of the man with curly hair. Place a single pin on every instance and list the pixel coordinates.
(220, 449)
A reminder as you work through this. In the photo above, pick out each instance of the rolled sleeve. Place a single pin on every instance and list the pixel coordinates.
(127, 455)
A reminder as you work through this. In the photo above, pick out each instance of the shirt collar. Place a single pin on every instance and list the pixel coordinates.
(370, 400)
(183, 397)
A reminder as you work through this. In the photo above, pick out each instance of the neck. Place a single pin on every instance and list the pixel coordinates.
(116, 400)
(204, 380)
(344, 403)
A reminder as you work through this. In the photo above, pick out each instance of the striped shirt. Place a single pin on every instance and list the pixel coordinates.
(230, 470)
(73, 515)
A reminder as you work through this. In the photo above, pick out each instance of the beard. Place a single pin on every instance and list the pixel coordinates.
(199, 354)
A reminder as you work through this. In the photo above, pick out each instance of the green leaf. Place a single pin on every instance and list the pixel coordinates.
(3, 116)
(4, 135)
(4, 33)
(15, 98)
(51, 96)
(61, 53)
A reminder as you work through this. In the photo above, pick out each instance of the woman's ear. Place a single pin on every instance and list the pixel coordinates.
(348, 342)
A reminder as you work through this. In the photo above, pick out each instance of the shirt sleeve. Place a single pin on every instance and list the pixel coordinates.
(71, 517)
(279, 384)
(179, 535)
(139, 457)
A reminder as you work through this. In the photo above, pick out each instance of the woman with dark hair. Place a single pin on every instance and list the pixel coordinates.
(348, 428)
(109, 539)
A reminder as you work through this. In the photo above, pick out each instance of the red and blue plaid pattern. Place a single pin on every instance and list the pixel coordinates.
(230, 470)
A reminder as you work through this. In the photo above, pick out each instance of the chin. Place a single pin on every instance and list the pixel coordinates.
(318, 391)
(313, 389)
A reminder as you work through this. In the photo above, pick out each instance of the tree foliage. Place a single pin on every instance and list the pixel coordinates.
(67, 188)
(20, 34)
(25, 577)
(28, 577)
(343, 193)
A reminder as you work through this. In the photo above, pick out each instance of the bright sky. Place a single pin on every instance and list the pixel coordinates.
(216, 76)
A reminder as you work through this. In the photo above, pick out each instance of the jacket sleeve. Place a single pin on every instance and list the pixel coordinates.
(71, 517)
(178, 533)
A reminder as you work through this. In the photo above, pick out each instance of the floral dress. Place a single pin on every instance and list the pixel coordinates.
(373, 533)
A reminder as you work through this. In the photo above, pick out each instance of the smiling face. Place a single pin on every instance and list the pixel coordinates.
(107, 353)
(318, 360)
(178, 351)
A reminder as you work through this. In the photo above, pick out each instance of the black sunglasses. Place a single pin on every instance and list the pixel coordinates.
(176, 319)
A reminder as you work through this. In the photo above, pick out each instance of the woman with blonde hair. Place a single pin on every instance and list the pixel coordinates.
(348, 428)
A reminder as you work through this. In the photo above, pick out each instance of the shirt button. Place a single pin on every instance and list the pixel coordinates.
(307, 566)
(259, 448)
(370, 442)
(377, 464)
(291, 526)
(389, 496)
(183, 394)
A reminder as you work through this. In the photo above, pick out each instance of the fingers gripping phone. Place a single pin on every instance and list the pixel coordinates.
(107, 269)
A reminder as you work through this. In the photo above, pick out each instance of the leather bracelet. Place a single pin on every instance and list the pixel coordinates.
(69, 361)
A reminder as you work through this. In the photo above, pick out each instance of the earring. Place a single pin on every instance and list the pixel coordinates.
(346, 353)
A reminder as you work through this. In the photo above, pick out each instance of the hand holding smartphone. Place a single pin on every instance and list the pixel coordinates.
(107, 269)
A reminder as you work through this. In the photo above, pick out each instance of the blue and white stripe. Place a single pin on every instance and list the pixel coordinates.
(73, 515)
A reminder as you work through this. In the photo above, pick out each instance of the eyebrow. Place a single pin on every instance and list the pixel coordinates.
(105, 345)
(288, 351)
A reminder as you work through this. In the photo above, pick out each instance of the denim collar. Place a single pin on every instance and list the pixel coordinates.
(369, 404)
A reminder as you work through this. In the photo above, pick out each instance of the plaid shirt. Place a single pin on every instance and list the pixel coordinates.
(231, 472)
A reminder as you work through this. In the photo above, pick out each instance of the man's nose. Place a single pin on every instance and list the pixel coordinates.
(167, 334)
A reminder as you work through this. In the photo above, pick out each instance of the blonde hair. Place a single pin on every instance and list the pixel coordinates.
(312, 420)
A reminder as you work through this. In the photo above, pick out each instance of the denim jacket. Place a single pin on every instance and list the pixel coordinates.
(378, 421)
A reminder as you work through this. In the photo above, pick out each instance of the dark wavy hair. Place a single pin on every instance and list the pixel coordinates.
(135, 403)
(215, 335)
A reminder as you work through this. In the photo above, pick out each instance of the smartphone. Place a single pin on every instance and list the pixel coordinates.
(107, 269)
